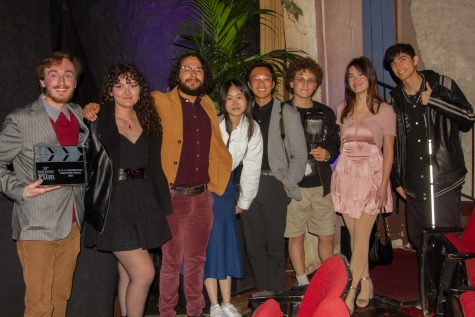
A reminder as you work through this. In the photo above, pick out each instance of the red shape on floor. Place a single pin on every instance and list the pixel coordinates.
(400, 280)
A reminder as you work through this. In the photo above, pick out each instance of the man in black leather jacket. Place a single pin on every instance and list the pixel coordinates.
(427, 105)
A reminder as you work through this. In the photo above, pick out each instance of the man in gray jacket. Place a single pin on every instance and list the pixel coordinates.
(283, 166)
(45, 219)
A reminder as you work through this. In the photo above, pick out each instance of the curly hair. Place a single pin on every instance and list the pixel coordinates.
(145, 106)
(173, 79)
(304, 63)
(373, 101)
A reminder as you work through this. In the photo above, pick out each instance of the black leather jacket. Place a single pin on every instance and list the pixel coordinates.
(449, 112)
(100, 180)
(103, 156)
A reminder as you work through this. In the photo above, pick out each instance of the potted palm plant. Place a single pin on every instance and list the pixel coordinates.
(220, 36)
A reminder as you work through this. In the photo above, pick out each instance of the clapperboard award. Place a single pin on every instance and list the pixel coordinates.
(61, 165)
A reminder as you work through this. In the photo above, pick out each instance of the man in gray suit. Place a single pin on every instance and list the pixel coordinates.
(45, 219)
(283, 166)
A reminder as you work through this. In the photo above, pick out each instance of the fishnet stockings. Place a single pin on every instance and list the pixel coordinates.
(136, 273)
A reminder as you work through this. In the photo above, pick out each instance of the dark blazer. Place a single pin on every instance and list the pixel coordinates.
(103, 158)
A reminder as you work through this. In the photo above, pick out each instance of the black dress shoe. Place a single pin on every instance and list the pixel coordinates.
(295, 291)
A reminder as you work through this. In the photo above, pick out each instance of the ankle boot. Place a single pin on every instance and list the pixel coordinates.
(366, 292)
(350, 299)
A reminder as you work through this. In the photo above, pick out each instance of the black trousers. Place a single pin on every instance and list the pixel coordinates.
(418, 215)
(264, 226)
(95, 283)
(12, 289)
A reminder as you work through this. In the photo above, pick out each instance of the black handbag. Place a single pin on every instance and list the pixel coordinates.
(237, 175)
(381, 249)
(237, 171)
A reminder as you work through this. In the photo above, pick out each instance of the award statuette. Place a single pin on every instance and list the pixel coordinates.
(315, 133)
(60, 165)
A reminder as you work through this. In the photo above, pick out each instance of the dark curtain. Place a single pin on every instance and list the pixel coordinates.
(68, 41)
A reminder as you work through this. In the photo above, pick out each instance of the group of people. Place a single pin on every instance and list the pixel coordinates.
(166, 170)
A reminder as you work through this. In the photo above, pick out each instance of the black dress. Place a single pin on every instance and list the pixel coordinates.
(133, 219)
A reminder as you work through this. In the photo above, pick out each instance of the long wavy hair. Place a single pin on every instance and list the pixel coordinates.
(373, 101)
(145, 106)
(173, 78)
(223, 94)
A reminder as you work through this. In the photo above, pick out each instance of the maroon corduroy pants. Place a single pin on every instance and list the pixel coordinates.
(190, 225)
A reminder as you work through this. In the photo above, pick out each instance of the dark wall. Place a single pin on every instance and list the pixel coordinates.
(24, 38)
(117, 31)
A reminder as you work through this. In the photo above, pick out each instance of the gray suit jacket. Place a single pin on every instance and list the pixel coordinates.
(45, 217)
(288, 157)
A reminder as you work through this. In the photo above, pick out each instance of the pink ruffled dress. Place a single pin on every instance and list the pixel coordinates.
(359, 169)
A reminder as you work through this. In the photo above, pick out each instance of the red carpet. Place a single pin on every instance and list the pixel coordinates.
(398, 281)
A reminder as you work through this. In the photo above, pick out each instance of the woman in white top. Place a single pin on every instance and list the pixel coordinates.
(243, 138)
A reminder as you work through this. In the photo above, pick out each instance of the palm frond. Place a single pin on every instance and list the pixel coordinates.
(219, 38)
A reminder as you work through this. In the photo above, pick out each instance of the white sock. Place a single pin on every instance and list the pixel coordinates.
(302, 280)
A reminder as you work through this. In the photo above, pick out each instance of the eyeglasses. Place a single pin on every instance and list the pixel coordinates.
(261, 78)
(189, 69)
(302, 81)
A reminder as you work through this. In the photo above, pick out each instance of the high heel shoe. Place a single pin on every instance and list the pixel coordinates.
(350, 299)
(366, 292)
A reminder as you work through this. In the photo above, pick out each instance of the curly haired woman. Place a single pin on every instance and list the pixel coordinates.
(127, 196)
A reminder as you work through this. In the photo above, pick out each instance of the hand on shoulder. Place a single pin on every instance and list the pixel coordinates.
(91, 110)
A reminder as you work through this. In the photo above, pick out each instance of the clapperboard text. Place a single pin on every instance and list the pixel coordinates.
(60, 165)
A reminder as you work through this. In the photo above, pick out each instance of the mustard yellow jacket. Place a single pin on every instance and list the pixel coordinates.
(170, 111)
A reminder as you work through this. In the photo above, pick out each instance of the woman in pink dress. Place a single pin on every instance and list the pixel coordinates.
(360, 182)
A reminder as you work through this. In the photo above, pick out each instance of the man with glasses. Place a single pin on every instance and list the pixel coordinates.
(283, 165)
(315, 211)
(196, 162)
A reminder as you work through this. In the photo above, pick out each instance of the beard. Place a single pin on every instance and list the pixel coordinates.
(197, 91)
(51, 94)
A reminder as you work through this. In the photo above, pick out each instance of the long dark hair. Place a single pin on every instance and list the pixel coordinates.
(145, 106)
(373, 101)
(223, 94)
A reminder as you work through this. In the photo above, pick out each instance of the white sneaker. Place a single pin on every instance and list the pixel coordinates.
(216, 311)
(230, 310)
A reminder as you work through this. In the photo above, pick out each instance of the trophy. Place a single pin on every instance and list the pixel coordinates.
(315, 133)
(60, 165)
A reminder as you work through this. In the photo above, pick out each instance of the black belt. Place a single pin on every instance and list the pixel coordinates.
(267, 173)
(131, 173)
(189, 191)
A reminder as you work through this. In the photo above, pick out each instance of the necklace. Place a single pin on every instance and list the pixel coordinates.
(417, 96)
(127, 122)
